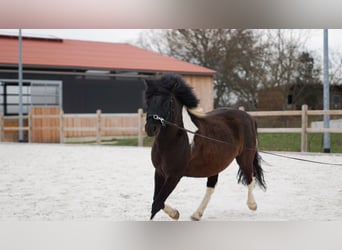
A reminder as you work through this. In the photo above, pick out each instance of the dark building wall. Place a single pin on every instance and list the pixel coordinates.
(83, 94)
(111, 96)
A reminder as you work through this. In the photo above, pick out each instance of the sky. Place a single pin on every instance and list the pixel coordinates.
(105, 35)
(314, 41)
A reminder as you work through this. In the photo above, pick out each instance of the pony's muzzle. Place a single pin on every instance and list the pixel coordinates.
(152, 127)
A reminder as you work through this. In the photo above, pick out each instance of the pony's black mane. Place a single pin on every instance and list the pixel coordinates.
(171, 83)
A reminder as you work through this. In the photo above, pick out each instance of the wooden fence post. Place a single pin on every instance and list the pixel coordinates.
(98, 126)
(304, 134)
(140, 128)
(61, 126)
(2, 124)
(29, 124)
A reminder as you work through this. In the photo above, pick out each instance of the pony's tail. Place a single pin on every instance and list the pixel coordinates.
(258, 171)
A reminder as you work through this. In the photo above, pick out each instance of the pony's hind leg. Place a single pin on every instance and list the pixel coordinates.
(258, 175)
(252, 205)
(211, 183)
(246, 177)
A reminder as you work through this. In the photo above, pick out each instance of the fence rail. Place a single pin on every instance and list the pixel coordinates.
(99, 125)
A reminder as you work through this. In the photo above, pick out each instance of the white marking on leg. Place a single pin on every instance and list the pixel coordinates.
(250, 199)
(173, 213)
(200, 210)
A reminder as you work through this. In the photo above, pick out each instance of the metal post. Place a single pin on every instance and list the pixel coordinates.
(2, 124)
(98, 126)
(326, 90)
(20, 78)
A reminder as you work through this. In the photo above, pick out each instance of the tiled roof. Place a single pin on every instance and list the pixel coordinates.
(45, 52)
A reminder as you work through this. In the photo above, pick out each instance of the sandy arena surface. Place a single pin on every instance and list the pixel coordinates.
(52, 182)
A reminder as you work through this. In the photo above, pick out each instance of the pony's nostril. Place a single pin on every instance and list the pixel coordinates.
(154, 129)
(151, 129)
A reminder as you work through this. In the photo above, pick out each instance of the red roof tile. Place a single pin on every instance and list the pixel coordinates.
(90, 55)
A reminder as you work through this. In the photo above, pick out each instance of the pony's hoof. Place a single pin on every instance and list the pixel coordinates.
(252, 206)
(174, 215)
(196, 216)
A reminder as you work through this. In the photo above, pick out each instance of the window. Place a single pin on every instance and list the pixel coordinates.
(9, 98)
(34, 93)
(43, 95)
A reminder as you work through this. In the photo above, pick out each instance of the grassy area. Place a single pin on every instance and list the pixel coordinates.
(122, 141)
(275, 142)
(291, 142)
(129, 141)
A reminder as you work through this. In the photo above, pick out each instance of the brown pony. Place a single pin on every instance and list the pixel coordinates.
(223, 135)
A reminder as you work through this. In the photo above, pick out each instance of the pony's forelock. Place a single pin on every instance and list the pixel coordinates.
(182, 91)
(172, 83)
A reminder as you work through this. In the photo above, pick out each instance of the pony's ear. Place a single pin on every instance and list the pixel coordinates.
(175, 84)
(150, 84)
(147, 83)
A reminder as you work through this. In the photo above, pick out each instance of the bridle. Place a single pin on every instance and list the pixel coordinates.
(164, 121)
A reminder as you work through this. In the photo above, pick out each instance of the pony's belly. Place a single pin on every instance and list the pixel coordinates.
(200, 168)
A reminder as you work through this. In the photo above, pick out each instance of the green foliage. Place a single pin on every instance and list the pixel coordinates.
(121, 141)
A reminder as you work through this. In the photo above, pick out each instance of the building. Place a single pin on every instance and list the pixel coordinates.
(83, 76)
(292, 98)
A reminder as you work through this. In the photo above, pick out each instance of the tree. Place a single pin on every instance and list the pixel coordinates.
(286, 64)
(307, 87)
(245, 60)
(335, 70)
(235, 55)
(153, 40)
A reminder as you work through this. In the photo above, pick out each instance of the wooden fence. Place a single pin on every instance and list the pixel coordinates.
(99, 125)
(9, 127)
(304, 129)
(48, 125)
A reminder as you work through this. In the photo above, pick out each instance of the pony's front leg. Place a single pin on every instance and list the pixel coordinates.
(173, 213)
(160, 197)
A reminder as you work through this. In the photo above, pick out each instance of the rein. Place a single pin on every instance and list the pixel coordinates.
(165, 122)
(300, 159)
